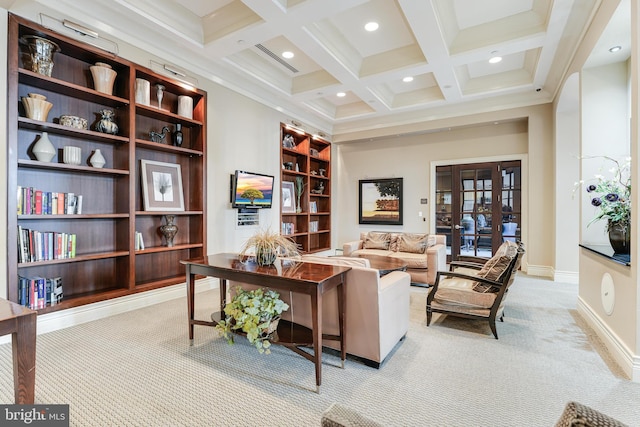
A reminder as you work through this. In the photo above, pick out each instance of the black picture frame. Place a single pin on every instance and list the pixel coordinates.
(380, 201)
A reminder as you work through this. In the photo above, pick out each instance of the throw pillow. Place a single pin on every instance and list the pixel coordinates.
(496, 267)
(375, 240)
(413, 243)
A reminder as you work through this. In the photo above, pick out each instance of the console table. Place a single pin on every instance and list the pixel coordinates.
(20, 322)
(301, 277)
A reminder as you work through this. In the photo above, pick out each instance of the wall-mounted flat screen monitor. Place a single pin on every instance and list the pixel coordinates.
(251, 190)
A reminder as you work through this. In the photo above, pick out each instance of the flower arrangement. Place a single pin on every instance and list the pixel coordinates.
(612, 196)
(256, 313)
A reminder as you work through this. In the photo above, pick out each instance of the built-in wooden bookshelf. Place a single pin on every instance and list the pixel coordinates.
(107, 264)
(307, 157)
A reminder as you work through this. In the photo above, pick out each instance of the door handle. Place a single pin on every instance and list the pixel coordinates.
(457, 227)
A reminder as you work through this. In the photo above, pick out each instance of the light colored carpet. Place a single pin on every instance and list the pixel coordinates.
(137, 369)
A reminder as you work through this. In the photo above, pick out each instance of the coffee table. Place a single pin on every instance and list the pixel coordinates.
(385, 264)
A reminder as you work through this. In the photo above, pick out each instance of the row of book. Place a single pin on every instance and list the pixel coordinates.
(139, 242)
(35, 245)
(39, 292)
(313, 226)
(32, 201)
(288, 228)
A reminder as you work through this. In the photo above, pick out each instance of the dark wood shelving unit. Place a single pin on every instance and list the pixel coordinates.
(311, 154)
(106, 264)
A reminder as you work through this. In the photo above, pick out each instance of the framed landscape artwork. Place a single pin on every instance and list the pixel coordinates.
(161, 186)
(380, 201)
(288, 200)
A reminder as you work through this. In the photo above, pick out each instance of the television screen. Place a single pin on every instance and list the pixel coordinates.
(251, 190)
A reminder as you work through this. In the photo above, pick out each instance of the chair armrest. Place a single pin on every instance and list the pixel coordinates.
(349, 247)
(463, 264)
(434, 288)
(474, 259)
(437, 257)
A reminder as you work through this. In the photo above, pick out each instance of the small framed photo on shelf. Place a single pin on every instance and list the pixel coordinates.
(288, 200)
(161, 186)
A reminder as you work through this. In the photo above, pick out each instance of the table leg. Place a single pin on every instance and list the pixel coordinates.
(316, 321)
(342, 319)
(223, 296)
(190, 300)
(24, 359)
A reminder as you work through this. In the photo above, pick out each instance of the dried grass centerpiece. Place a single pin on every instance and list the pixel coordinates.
(266, 245)
(256, 313)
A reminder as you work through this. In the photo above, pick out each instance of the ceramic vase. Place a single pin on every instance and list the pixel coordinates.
(41, 53)
(159, 95)
(143, 92)
(177, 136)
(43, 149)
(97, 160)
(71, 155)
(36, 106)
(620, 238)
(185, 106)
(103, 77)
(169, 230)
(106, 123)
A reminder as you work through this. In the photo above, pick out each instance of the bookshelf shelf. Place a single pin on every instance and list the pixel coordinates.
(106, 264)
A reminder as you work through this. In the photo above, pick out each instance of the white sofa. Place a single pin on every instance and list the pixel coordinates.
(377, 309)
(424, 254)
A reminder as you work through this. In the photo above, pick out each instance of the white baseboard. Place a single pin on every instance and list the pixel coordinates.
(566, 277)
(539, 270)
(77, 315)
(629, 363)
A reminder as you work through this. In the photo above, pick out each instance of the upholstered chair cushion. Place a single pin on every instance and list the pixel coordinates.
(496, 266)
(376, 240)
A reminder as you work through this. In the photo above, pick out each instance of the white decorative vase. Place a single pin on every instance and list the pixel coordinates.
(43, 149)
(185, 106)
(71, 155)
(143, 92)
(103, 77)
(97, 160)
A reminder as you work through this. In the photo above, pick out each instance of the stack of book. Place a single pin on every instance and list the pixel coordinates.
(139, 242)
(39, 292)
(313, 226)
(288, 228)
(32, 201)
(34, 245)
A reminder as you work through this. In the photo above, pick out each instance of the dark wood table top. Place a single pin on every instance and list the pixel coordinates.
(385, 264)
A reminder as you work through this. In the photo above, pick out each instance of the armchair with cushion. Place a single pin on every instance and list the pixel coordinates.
(476, 287)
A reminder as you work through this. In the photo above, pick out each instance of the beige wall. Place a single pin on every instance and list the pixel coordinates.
(410, 157)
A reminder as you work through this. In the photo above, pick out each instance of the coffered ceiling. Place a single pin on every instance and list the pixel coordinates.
(443, 45)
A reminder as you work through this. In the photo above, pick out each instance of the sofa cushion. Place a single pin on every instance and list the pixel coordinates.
(415, 243)
(338, 260)
(496, 267)
(378, 252)
(376, 240)
(412, 260)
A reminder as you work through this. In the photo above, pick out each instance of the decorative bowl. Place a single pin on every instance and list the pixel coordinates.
(74, 122)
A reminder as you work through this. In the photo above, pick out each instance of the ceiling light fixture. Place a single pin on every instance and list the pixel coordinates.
(341, 94)
(615, 49)
(287, 54)
(495, 60)
(407, 79)
(371, 26)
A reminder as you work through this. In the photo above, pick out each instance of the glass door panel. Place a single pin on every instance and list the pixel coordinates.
(443, 204)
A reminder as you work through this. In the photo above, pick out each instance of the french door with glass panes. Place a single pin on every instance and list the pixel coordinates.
(478, 206)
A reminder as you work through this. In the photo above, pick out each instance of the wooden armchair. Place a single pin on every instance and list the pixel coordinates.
(475, 287)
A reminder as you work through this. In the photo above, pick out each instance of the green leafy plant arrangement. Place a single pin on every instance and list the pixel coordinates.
(266, 245)
(253, 312)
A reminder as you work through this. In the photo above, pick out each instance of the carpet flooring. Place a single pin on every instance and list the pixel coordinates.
(137, 369)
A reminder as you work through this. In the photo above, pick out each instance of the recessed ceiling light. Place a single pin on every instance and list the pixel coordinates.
(371, 26)
(341, 94)
(495, 59)
(615, 49)
(407, 79)
(287, 54)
